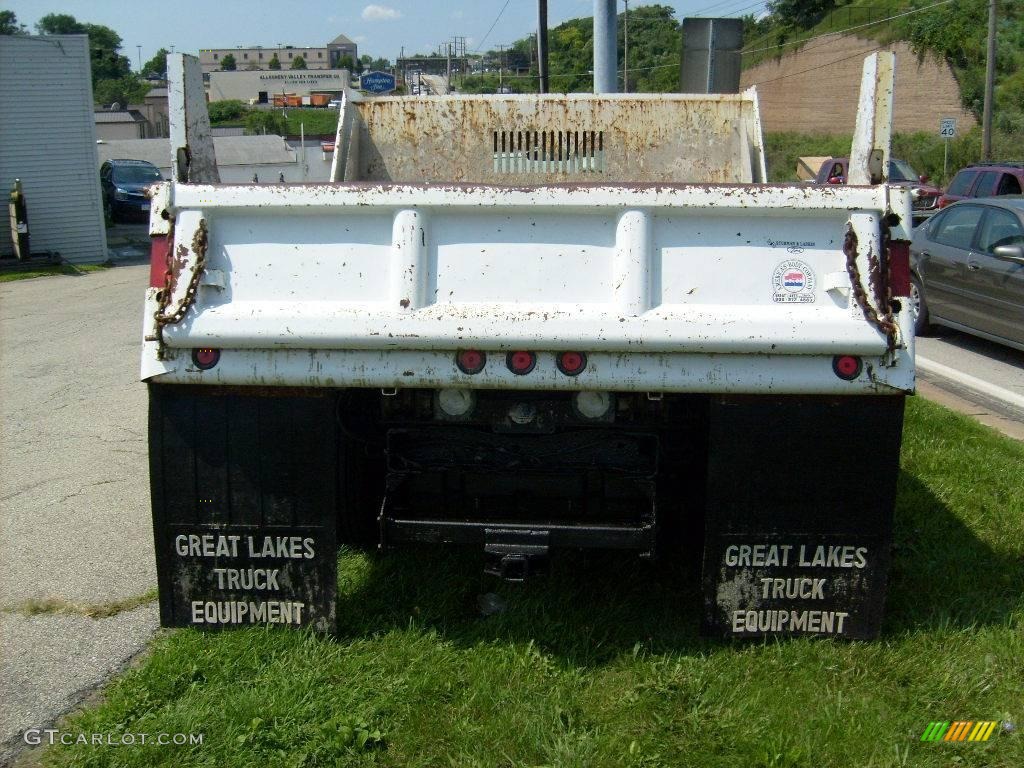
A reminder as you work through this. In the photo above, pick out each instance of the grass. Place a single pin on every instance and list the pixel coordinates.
(57, 269)
(50, 605)
(602, 665)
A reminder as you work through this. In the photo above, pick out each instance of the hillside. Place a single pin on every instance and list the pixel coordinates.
(954, 30)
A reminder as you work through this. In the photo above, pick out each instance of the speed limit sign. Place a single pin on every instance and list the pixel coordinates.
(947, 128)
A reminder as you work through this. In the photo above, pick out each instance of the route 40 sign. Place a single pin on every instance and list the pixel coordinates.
(947, 128)
(377, 82)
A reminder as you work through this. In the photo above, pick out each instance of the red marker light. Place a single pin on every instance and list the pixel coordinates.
(571, 363)
(521, 363)
(205, 358)
(471, 361)
(847, 367)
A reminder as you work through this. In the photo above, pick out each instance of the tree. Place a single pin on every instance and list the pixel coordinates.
(298, 63)
(104, 44)
(123, 90)
(345, 62)
(228, 63)
(9, 24)
(157, 66)
(800, 14)
(274, 63)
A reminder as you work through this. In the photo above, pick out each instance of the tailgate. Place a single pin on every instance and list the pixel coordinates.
(665, 287)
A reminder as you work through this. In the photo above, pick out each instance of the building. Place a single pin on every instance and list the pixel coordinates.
(155, 110)
(325, 57)
(49, 142)
(123, 124)
(239, 158)
(260, 87)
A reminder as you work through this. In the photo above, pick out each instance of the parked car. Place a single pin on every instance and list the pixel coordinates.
(124, 184)
(901, 173)
(967, 270)
(985, 180)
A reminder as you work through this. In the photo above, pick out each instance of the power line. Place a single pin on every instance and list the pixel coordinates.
(496, 20)
(857, 55)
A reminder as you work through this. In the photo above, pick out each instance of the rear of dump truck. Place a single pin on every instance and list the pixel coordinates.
(530, 324)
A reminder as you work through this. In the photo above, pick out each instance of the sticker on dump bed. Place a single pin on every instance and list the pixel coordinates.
(793, 283)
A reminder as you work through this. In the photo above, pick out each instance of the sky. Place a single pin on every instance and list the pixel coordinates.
(381, 28)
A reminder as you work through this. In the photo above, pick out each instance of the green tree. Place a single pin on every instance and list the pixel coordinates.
(298, 63)
(800, 14)
(123, 90)
(104, 44)
(274, 63)
(9, 24)
(345, 62)
(157, 65)
(228, 63)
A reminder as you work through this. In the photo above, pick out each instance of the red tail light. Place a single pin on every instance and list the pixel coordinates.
(205, 358)
(571, 363)
(471, 361)
(521, 363)
(158, 265)
(944, 201)
(847, 367)
(899, 268)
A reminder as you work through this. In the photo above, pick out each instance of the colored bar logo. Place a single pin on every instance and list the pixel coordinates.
(960, 730)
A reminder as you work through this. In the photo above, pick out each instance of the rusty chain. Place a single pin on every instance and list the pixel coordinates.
(199, 244)
(885, 323)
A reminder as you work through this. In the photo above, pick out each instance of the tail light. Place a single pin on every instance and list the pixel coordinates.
(470, 361)
(944, 201)
(205, 358)
(571, 363)
(158, 266)
(847, 367)
(521, 363)
(899, 268)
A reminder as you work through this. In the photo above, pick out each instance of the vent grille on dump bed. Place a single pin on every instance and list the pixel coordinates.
(548, 151)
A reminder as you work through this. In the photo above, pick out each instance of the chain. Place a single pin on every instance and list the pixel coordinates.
(199, 244)
(883, 324)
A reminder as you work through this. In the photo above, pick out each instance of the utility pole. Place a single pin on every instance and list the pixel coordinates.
(448, 61)
(501, 65)
(625, 49)
(139, 47)
(542, 45)
(606, 77)
(990, 77)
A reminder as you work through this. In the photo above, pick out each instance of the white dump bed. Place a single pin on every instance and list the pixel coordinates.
(666, 281)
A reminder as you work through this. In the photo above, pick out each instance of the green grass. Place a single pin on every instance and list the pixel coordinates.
(602, 665)
(56, 269)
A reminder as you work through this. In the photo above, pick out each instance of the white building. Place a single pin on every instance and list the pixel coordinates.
(49, 142)
(263, 86)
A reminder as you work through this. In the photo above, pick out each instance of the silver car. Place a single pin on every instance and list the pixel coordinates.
(967, 270)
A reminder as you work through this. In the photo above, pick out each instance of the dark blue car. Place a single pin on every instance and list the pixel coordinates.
(124, 184)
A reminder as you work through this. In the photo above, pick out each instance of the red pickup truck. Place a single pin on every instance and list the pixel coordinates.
(901, 173)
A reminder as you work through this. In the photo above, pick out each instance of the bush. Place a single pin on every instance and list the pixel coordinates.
(265, 121)
(227, 111)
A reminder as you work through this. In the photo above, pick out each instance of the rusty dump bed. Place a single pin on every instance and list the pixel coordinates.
(531, 139)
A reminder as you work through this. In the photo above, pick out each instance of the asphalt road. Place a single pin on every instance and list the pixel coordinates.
(975, 376)
(74, 495)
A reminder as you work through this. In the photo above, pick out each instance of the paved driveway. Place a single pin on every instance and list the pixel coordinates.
(74, 494)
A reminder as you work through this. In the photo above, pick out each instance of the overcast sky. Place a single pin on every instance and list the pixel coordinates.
(381, 28)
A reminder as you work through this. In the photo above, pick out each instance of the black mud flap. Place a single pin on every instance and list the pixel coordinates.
(800, 499)
(244, 516)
